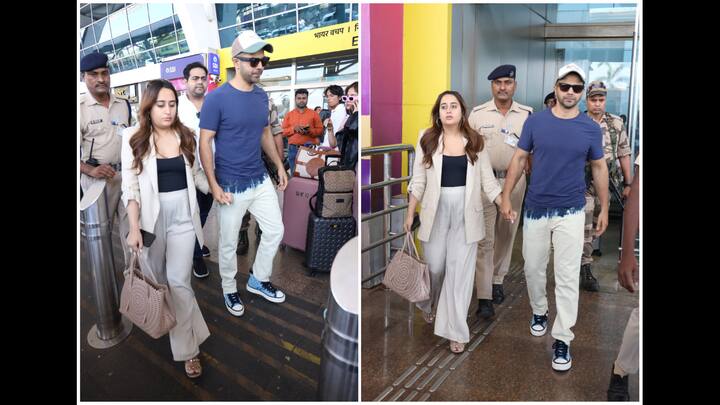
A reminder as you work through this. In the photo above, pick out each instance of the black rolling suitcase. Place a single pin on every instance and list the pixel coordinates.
(325, 237)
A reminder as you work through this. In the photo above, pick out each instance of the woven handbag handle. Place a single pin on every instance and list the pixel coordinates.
(133, 265)
(135, 260)
(405, 244)
(413, 250)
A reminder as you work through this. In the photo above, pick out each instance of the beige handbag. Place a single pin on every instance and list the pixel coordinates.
(407, 275)
(146, 303)
(310, 159)
(334, 198)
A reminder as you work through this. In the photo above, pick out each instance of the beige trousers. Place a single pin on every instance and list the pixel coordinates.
(451, 261)
(628, 360)
(170, 259)
(495, 251)
(565, 232)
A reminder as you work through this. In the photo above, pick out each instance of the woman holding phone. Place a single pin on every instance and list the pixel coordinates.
(347, 137)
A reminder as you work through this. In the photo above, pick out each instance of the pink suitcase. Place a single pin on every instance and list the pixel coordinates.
(296, 209)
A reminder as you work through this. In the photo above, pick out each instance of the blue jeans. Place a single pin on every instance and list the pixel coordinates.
(292, 153)
(205, 202)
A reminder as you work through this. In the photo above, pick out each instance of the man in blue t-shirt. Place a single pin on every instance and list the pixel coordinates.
(235, 116)
(561, 140)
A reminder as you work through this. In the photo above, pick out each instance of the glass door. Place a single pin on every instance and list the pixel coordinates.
(609, 61)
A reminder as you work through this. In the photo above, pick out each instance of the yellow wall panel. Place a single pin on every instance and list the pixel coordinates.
(426, 64)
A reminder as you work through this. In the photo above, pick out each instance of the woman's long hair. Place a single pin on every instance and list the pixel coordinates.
(140, 141)
(430, 140)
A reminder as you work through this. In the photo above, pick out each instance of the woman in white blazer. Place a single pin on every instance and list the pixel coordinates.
(159, 175)
(451, 169)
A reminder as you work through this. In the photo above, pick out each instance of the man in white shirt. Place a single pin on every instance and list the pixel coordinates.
(337, 116)
(189, 106)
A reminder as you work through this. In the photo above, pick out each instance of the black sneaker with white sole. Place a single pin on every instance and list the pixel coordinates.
(562, 360)
(200, 270)
(233, 304)
(538, 325)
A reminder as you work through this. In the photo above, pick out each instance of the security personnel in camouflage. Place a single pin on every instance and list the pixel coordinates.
(617, 154)
(276, 129)
(500, 122)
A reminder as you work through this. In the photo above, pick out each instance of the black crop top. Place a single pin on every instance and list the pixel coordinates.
(453, 171)
(171, 174)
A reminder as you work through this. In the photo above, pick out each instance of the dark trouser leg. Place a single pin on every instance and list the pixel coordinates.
(205, 202)
(243, 242)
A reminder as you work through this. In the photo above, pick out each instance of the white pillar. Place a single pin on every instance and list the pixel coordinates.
(199, 22)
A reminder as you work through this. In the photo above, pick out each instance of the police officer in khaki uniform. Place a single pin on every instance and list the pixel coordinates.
(103, 116)
(616, 147)
(500, 122)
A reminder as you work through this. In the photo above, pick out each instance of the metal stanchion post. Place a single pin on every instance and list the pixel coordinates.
(339, 361)
(111, 328)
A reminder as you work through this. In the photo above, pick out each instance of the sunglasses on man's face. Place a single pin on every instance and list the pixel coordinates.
(254, 61)
(577, 88)
(345, 99)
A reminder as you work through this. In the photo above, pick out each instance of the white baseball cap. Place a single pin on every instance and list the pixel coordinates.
(249, 42)
(571, 68)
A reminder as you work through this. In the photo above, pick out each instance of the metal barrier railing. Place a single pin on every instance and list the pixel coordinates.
(388, 208)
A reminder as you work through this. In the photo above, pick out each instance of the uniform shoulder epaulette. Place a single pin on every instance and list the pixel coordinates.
(480, 107)
(525, 108)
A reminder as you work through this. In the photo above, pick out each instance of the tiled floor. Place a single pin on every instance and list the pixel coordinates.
(407, 361)
(272, 352)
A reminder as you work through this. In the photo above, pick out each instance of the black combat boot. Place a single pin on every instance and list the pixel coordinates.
(498, 296)
(588, 282)
(618, 389)
(485, 309)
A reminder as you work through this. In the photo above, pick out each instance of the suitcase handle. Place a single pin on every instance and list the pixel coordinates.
(312, 209)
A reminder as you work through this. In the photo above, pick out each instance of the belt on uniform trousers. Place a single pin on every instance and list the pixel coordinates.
(500, 174)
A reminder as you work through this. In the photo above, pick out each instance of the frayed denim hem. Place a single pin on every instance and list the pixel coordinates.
(239, 186)
(538, 213)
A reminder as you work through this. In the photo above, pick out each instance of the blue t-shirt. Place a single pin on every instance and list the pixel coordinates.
(238, 119)
(560, 149)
